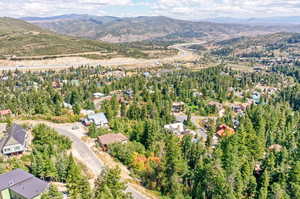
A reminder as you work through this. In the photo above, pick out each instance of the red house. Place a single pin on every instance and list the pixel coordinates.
(224, 131)
(5, 112)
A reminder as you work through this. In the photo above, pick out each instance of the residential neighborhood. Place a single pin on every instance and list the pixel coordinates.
(141, 99)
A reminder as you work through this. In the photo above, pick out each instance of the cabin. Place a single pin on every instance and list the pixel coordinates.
(111, 138)
(19, 184)
(15, 142)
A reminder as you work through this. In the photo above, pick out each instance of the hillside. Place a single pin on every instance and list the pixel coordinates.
(267, 20)
(270, 45)
(113, 29)
(19, 38)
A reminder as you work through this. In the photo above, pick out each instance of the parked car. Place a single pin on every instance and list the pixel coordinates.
(75, 127)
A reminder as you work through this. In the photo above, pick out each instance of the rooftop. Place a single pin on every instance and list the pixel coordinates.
(16, 135)
(98, 118)
(23, 183)
(16, 176)
(30, 188)
(112, 138)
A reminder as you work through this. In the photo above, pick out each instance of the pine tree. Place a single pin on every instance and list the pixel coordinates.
(52, 193)
(108, 185)
(295, 180)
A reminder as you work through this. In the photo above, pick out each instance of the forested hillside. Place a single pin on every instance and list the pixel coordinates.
(259, 158)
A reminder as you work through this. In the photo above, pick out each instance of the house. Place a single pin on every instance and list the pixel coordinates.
(19, 184)
(147, 74)
(111, 138)
(5, 112)
(98, 95)
(68, 106)
(178, 107)
(275, 147)
(15, 141)
(181, 118)
(128, 93)
(99, 119)
(87, 112)
(256, 97)
(176, 128)
(224, 131)
(56, 84)
(197, 94)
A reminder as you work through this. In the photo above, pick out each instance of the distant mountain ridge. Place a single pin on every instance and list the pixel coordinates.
(266, 20)
(103, 19)
(114, 29)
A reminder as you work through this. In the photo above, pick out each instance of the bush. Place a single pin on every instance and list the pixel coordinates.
(94, 132)
(124, 152)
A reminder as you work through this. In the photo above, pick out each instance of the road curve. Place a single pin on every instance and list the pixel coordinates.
(88, 157)
(58, 64)
(82, 152)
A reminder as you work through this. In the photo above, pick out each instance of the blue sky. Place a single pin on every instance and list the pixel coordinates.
(183, 9)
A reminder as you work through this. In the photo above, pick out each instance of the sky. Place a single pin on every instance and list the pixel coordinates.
(181, 9)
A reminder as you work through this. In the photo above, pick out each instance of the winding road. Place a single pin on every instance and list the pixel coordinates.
(68, 62)
(84, 153)
(87, 156)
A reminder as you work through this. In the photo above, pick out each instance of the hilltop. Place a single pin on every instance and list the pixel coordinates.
(20, 38)
(270, 44)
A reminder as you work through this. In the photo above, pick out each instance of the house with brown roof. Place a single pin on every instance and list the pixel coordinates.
(224, 131)
(19, 184)
(111, 138)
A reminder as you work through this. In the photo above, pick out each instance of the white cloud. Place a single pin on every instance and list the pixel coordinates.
(106, 2)
(229, 8)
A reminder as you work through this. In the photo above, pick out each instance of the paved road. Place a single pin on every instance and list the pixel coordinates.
(82, 151)
(63, 63)
(87, 156)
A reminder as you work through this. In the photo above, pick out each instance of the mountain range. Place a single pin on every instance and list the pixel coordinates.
(288, 20)
(129, 29)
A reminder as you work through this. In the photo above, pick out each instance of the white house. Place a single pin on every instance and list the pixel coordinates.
(98, 95)
(176, 128)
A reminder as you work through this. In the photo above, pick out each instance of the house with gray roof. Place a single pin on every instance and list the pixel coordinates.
(19, 184)
(99, 119)
(14, 141)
